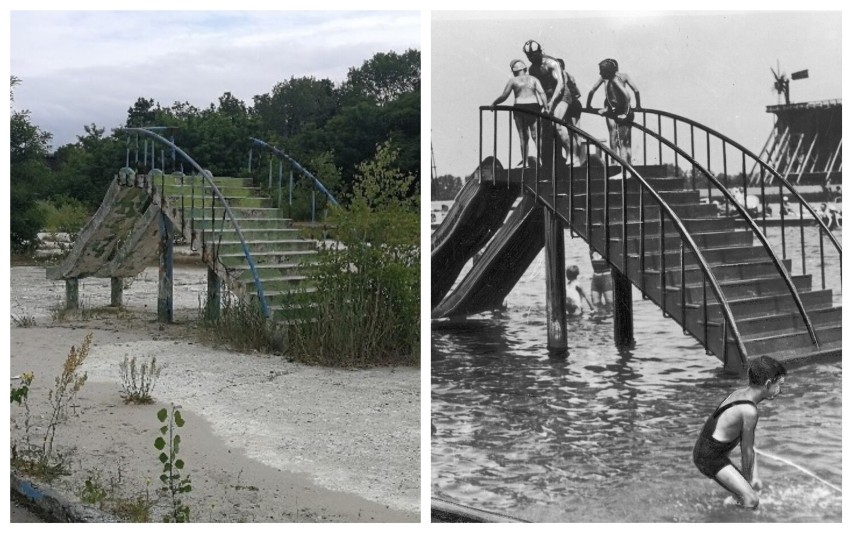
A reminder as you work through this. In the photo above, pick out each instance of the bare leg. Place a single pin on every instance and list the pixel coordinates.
(624, 142)
(730, 478)
(607, 299)
(523, 133)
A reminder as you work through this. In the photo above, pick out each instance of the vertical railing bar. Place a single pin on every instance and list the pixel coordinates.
(821, 258)
(588, 194)
(480, 146)
(660, 143)
(725, 175)
(802, 235)
(783, 228)
(606, 206)
(662, 266)
(644, 139)
(494, 154)
(674, 125)
(641, 237)
(763, 197)
(682, 288)
(521, 139)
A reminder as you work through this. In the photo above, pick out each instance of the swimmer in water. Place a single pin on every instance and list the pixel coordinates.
(734, 422)
(617, 104)
(574, 294)
(529, 95)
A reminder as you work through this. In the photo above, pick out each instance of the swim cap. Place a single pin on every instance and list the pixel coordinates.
(532, 47)
(608, 66)
(517, 65)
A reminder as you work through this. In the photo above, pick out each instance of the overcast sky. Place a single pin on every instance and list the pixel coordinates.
(711, 67)
(83, 67)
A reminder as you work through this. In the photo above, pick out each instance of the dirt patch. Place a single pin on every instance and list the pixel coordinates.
(265, 440)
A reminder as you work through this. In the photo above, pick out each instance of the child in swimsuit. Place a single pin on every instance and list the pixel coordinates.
(574, 294)
(734, 422)
(601, 283)
(617, 104)
(529, 95)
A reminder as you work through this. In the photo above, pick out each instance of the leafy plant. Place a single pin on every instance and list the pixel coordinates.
(137, 383)
(93, 492)
(174, 482)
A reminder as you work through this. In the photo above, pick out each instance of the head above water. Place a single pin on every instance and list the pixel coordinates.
(763, 369)
(572, 272)
(608, 68)
(533, 52)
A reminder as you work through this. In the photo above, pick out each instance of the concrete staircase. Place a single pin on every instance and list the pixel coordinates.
(761, 303)
(281, 257)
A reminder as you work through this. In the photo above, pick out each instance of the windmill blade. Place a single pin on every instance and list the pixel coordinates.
(777, 77)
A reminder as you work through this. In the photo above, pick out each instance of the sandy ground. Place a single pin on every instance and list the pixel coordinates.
(265, 440)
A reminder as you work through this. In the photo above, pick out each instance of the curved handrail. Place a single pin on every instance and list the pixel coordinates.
(208, 177)
(749, 220)
(765, 166)
(297, 166)
(685, 236)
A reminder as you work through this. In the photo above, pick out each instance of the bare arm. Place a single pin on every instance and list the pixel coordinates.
(747, 442)
(556, 72)
(506, 92)
(539, 93)
(583, 294)
(592, 92)
(633, 88)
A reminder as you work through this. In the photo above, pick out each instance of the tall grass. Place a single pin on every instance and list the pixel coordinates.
(367, 310)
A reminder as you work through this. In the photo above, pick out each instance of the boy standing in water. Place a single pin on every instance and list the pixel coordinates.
(529, 95)
(734, 422)
(617, 104)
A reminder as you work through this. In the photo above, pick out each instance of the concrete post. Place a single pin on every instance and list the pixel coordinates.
(72, 293)
(165, 300)
(116, 292)
(554, 253)
(622, 310)
(214, 290)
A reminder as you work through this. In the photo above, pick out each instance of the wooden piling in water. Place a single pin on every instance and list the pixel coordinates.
(554, 251)
(622, 310)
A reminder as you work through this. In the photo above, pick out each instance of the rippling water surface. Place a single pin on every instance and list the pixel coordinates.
(603, 435)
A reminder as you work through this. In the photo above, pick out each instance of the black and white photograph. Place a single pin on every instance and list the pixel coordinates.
(636, 238)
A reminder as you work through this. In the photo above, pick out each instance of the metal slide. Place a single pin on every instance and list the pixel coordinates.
(508, 255)
(477, 213)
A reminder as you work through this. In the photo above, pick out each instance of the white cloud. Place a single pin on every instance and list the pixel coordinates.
(79, 68)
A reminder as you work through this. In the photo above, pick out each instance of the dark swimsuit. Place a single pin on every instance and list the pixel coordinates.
(710, 455)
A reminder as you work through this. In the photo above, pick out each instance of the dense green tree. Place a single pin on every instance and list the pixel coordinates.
(384, 77)
(29, 176)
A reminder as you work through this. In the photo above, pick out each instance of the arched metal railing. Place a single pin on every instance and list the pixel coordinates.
(646, 191)
(317, 184)
(768, 179)
(212, 253)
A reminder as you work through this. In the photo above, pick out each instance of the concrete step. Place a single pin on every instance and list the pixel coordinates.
(233, 247)
(268, 258)
(247, 224)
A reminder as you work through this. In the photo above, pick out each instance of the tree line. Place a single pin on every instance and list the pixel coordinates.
(329, 128)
